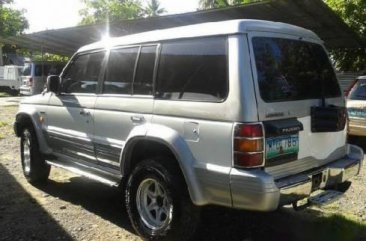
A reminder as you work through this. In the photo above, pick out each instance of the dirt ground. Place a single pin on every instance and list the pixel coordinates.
(70, 207)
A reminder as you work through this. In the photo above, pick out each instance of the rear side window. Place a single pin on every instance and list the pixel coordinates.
(120, 70)
(293, 70)
(358, 92)
(82, 74)
(193, 69)
(41, 69)
(143, 82)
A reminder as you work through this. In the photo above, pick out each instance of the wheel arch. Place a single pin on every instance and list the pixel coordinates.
(141, 147)
(23, 119)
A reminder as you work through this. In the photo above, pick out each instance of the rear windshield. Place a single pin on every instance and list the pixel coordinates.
(27, 70)
(293, 70)
(358, 92)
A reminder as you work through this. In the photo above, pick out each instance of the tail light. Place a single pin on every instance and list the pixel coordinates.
(248, 145)
(30, 81)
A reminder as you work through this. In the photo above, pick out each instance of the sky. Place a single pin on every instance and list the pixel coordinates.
(53, 14)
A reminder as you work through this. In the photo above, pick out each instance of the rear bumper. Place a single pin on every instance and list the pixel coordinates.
(25, 90)
(257, 190)
(357, 127)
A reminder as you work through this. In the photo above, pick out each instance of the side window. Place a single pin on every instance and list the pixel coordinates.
(82, 75)
(38, 70)
(120, 69)
(145, 70)
(193, 69)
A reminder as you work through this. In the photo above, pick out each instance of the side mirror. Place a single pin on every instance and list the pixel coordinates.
(53, 83)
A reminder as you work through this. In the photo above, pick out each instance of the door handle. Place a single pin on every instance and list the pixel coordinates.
(137, 119)
(85, 113)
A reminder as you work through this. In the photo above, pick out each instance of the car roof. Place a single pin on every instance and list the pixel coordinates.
(363, 77)
(205, 29)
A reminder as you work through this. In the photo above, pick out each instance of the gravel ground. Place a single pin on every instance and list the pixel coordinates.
(70, 207)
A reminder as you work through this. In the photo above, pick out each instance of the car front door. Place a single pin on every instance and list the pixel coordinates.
(70, 115)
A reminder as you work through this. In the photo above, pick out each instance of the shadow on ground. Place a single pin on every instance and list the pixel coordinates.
(218, 223)
(100, 199)
(21, 215)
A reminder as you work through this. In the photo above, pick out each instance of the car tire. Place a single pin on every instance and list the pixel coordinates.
(158, 203)
(35, 169)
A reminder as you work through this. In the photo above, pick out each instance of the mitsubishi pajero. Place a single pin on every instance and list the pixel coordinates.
(245, 114)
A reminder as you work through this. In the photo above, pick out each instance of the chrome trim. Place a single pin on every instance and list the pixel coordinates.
(236, 124)
(248, 138)
(248, 153)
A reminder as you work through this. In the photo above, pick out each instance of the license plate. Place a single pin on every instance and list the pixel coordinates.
(282, 145)
(360, 113)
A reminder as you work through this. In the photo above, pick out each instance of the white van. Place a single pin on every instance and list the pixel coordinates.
(35, 74)
(245, 114)
(10, 78)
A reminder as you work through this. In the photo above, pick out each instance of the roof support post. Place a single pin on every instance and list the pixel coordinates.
(1, 55)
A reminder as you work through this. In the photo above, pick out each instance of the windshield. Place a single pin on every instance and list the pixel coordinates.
(27, 69)
(293, 70)
(358, 92)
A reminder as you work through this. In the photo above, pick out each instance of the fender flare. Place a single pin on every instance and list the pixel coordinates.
(34, 116)
(171, 139)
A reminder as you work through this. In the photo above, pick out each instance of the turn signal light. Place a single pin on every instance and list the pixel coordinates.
(247, 145)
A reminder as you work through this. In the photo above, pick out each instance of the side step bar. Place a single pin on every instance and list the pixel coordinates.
(104, 180)
(320, 199)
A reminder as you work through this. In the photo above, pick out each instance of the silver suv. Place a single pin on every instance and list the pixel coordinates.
(244, 114)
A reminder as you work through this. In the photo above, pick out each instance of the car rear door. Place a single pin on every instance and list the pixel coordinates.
(125, 101)
(295, 84)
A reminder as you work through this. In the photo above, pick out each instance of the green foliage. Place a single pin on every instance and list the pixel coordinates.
(37, 56)
(97, 11)
(153, 9)
(354, 14)
(12, 22)
(207, 4)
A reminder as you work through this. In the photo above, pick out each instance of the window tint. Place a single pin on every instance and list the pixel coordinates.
(55, 69)
(145, 71)
(293, 70)
(358, 92)
(82, 74)
(120, 69)
(193, 70)
(39, 67)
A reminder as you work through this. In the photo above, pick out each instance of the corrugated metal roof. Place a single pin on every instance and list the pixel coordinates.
(311, 14)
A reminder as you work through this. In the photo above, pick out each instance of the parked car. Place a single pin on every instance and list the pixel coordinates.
(231, 113)
(35, 74)
(356, 107)
(10, 78)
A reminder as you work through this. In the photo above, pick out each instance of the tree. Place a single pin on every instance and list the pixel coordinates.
(207, 4)
(12, 22)
(354, 14)
(97, 11)
(153, 9)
